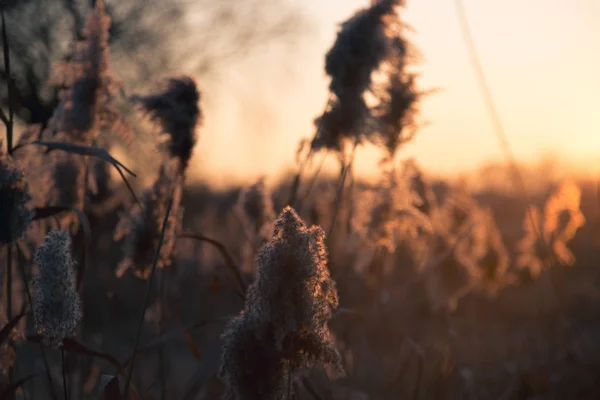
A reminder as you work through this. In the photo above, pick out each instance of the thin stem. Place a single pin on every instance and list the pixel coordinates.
(298, 177)
(313, 181)
(64, 373)
(241, 283)
(9, 303)
(10, 123)
(147, 299)
(290, 372)
(340, 191)
(161, 353)
(9, 282)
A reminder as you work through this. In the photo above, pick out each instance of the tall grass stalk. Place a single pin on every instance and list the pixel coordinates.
(304, 163)
(146, 300)
(64, 373)
(9, 300)
(162, 371)
(9, 123)
(340, 190)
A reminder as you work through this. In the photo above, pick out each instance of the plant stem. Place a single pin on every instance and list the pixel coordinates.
(9, 123)
(64, 373)
(9, 303)
(161, 354)
(147, 299)
(340, 191)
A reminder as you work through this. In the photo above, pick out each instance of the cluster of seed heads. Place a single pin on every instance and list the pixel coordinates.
(369, 42)
(14, 196)
(88, 88)
(141, 229)
(547, 234)
(394, 216)
(178, 112)
(283, 326)
(56, 304)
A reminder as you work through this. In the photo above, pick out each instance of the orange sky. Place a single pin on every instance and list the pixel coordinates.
(541, 58)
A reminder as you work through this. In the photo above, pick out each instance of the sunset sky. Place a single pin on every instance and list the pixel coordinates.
(541, 58)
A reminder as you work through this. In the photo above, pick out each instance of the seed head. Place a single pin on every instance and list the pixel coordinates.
(14, 196)
(285, 316)
(363, 44)
(141, 232)
(56, 304)
(177, 110)
(394, 216)
(88, 86)
(257, 207)
(546, 235)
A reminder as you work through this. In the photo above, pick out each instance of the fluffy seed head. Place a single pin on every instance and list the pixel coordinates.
(360, 47)
(56, 304)
(177, 110)
(88, 87)
(14, 196)
(285, 316)
(547, 233)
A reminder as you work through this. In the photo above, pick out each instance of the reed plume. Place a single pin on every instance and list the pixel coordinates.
(178, 112)
(547, 233)
(86, 106)
(361, 46)
(283, 325)
(256, 207)
(14, 196)
(140, 229)
(56, 304)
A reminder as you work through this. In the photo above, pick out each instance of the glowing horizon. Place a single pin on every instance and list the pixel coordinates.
(537, 58)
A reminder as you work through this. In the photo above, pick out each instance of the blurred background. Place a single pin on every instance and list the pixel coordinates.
(260, 66)
(446, 289)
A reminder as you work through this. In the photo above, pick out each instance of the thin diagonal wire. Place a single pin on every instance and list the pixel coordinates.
(498, 126)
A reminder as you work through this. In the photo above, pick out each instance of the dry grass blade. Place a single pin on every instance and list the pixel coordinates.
(147, 297)
(228, 259)
(84, 151)
(5, 331)
(73, 346)
(192, 346)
